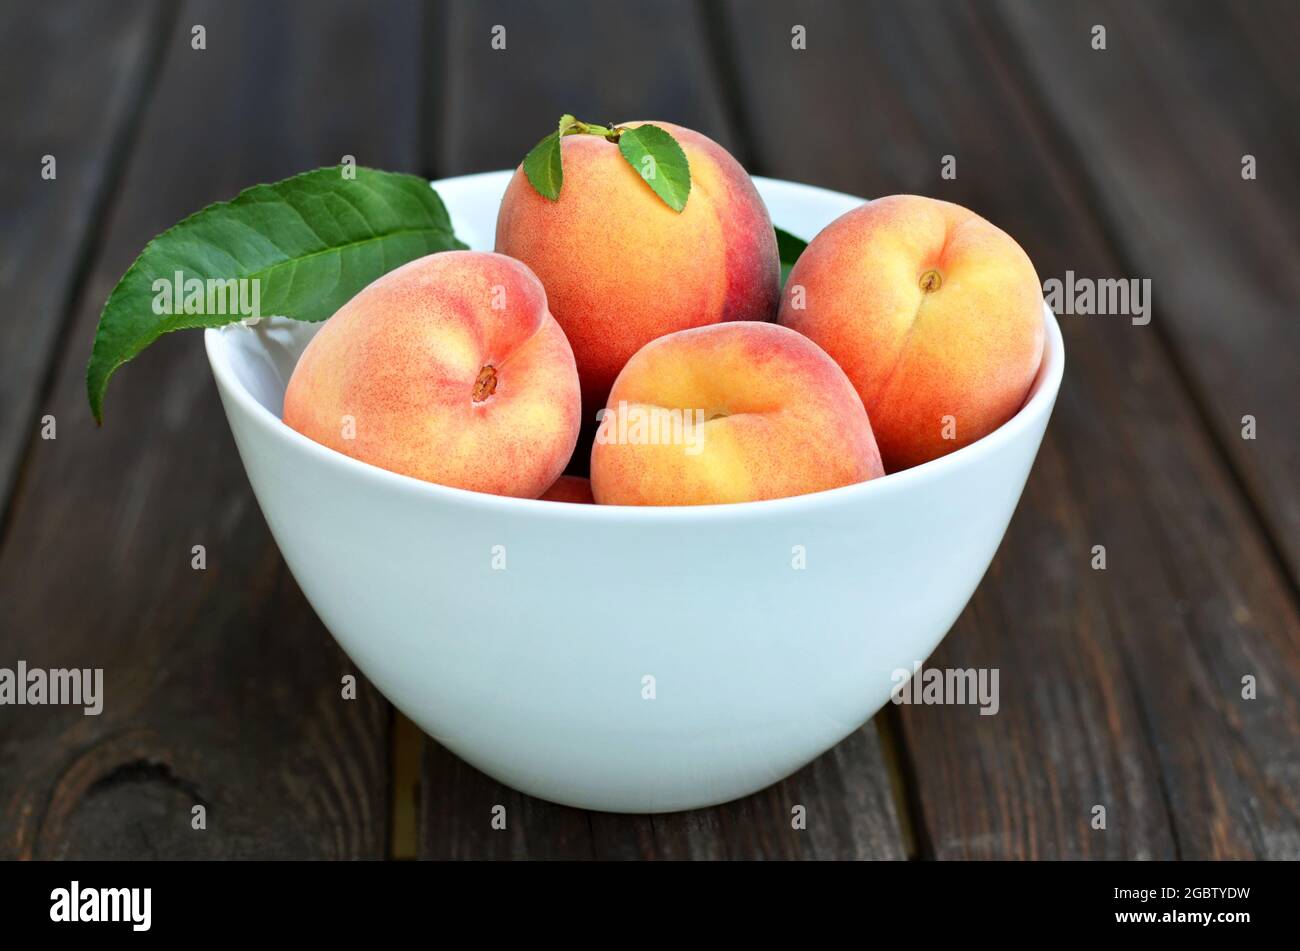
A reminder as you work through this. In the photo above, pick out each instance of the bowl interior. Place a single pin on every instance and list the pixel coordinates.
(259, 358)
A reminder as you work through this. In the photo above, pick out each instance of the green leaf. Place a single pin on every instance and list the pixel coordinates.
(299, 248)
(657, 158)
(542, 166)
(788, 249)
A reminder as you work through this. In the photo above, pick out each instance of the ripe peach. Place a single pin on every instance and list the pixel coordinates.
(569, 489)
(449, 369)
(621, 268)
(935, 315)
(730, 413)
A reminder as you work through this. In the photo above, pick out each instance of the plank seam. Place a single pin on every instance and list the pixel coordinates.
(122, 143)
(909, 812)
(718, 37)
(1062, 143)
(433, 54)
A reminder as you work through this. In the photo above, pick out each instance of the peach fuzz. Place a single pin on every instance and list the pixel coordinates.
(731, 412)
(935, 314)
(621, 268)
(449, 369)
(569, 489)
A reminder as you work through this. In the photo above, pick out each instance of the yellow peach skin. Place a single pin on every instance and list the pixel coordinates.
(621, 268)
(449, 369)
(935, 315)
(569, 489)
(731, 412)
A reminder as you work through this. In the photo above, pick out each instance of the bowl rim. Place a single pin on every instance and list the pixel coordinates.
(1038, 405)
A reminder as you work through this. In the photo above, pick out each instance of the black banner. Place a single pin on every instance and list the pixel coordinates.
(923, 900)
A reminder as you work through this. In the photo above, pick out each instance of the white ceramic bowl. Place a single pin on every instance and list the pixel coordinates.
(536, 671)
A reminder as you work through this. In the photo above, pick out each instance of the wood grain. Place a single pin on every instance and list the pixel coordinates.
(72, 78)
(222, 688)
(844, 811)
(1158, 123)
(1119, 688)
(586, 58)
(603, 61)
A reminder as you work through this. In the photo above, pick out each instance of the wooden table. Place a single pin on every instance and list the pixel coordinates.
(1120, 688)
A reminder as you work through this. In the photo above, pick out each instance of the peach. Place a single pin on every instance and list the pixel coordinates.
(731, 412)
(569, 488)
(622, 268)
(935, 314)
(449, 369)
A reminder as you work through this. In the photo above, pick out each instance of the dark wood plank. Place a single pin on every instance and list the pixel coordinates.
(1122, 687)
(847, 813)
(1159, 122)
(461, 811)
(604, 61)
(587, 58)
(72, 77)
(222, 688)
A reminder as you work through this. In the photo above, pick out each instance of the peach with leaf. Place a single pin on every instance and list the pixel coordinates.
(637, 231)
